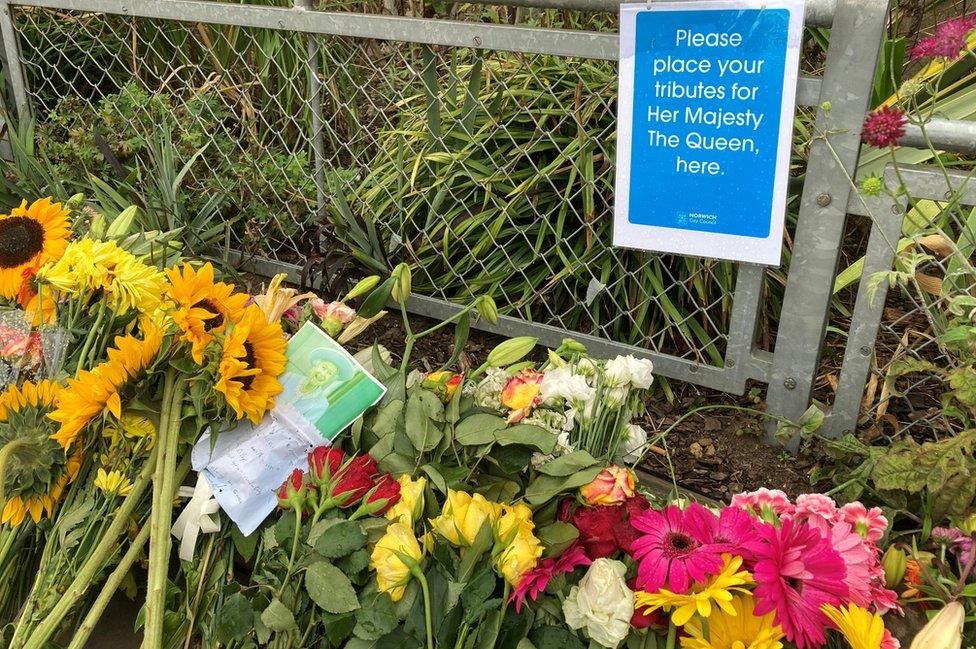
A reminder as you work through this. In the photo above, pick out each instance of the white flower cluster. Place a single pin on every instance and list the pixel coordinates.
(627, 371)
(601, 603)
(488, 392)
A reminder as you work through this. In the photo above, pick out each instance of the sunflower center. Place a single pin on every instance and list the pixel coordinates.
(677, 544)
(217, 320)
(249, 360)
(21, 238)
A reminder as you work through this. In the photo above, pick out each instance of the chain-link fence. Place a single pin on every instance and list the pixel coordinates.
(480, 150)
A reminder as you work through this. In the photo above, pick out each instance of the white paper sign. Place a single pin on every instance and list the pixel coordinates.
(707, 93)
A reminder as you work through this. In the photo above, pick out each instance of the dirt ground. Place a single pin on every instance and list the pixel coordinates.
(715, 454)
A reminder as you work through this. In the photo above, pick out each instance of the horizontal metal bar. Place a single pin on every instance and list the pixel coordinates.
(665, 365)
(954, 135)
(819, 13)
(534, 40)
(921, 182)
(808, 91)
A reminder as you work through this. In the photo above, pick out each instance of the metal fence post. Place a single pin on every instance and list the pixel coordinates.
(315, 106)
(887, 214)
(13, 67)
(852, 58)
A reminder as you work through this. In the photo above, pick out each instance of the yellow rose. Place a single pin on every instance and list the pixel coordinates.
(411, 503)
(611, 486)
(519, 557)
(512, 520)
(392, 574)
(462, 517)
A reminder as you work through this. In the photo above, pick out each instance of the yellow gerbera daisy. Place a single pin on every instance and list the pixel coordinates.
(861, 628)
(202, 307)
(93, 391)
(739, 629)
(719, 589)
(35, 469)
(30, 236)
(252, 359)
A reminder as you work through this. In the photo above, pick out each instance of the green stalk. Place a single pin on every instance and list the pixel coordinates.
(419, 574)
(108, 590)
(89, 570)
(672, 633)
(161, 519)
(92, 334)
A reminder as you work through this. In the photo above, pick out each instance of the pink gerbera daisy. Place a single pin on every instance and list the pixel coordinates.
(535, 581)
(736, 529)
(796, 573)
(676, 547)
(858, 559)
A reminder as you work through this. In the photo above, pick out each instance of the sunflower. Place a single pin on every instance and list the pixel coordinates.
(30, 236)
(740, 629)
(719, 589)
(36, 469)
(93, 391)
(861, 628)
(252, 359)
(203, 307)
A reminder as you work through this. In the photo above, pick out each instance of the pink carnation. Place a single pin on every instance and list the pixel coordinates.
(818, 511)
(869, 523)
(676, 547)
(888, 641)
(772, 500)
(797, 572)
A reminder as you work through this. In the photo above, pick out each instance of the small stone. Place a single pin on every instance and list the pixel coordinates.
(718, 476)
(696, 449)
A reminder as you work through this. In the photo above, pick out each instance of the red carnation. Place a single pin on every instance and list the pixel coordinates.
(884, 127)
(354, 481)
(324, 463)
(383, 496)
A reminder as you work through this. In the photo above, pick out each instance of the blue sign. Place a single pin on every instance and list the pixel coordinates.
(709, 108)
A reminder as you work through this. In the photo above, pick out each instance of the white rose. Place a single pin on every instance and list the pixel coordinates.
(562, 383)
(601, 603)
(632, 443)
(616, 397)
(638, 372)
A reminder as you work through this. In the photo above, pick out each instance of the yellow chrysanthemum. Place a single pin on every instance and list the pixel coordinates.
(131, 426)
(30, 236)
(739, 629)
(202, 307)
(91, 392)
(35, 469)
(252, 360)
(89, 265)
(719, 589)
(112, 483)
(861, 628)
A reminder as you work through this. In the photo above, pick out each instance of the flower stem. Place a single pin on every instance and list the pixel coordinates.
(5, 453)
(108, 590)
(295, 540)
(161, 518)
(672, 634)
(419, 574)
(92, 334)
(90, 569)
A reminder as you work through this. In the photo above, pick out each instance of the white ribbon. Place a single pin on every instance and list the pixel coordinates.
(197, 517)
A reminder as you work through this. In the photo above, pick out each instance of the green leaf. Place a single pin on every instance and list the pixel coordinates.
(355, 563)
(235, 619)
(568, 464)
(963, 384)
(556, 537)
(546, 487)
(387, 418)
(478, 429)
(554, 637)
(340, 539)
(423, 432)
(375, 618)
(376, 299)
(478, 590)
(330, 588)
(528, 435)
(278, 617)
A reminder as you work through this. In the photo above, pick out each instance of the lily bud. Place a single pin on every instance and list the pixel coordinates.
(511, 351)
(362, 287)
(122, 223)
(402, 283)
(488, 309)
(894, 562)
(944, 631)
(75, 201)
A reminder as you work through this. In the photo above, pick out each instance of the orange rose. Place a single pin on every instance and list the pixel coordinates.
(444, 384)
(612, 486)
(521, 394)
